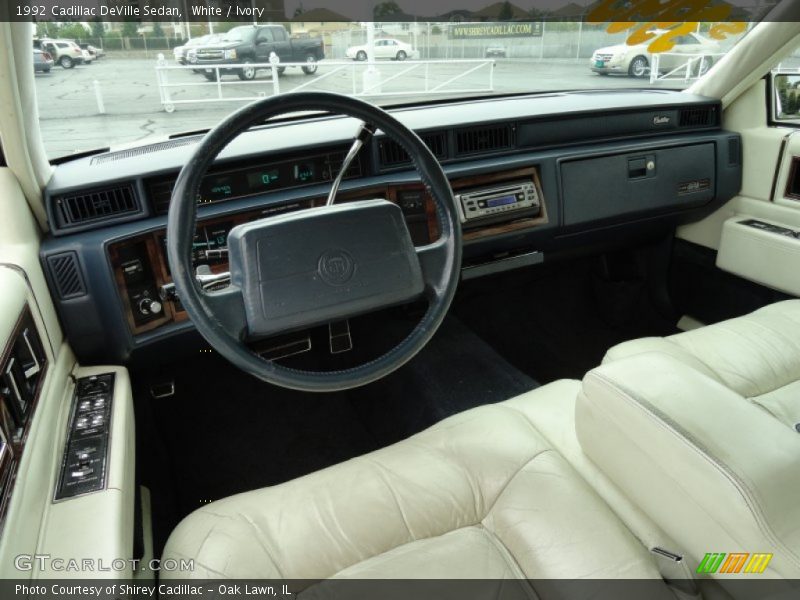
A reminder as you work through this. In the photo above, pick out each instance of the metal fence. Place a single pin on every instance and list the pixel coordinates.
(558, 40)
(688, 67)
(411, 78)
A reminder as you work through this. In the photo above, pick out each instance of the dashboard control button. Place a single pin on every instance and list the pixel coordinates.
(149, 306)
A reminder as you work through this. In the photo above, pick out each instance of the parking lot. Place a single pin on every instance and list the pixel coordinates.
(128, 87)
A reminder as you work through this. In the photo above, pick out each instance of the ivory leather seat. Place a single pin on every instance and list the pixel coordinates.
(716, 472)
(757, 356)
(479, 495)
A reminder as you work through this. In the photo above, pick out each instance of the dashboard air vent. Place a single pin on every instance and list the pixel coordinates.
(104, 204)
(66, 274)
(484, 139)
(700, 116)
(131, 152)
(392, 154)
(160, 192)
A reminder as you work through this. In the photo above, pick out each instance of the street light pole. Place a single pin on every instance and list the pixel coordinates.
(188, 24)
(372, 76)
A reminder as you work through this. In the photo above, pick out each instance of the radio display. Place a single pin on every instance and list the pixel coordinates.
(501, 201)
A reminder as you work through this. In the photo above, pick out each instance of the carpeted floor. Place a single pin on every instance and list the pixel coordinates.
(224, 432)
(558, 321)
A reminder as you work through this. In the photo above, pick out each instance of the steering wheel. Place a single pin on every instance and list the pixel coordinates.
(314, 266)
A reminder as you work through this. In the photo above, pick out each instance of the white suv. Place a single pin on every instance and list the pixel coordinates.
(64, 52)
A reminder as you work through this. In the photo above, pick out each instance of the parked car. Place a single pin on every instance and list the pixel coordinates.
(42, 61)
(249, 44)
(384, 48)
(635, 61)
(496, 51)
(94, 51)
(87, 57)
(65, 53)
(181, 53)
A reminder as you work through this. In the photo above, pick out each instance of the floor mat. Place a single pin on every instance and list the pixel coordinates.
(557, 322)
(225, 432)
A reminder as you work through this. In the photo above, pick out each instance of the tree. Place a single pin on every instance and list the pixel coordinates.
(129, 29)
(506, 12)
(73, 31)
(45, 29)
(158, 31)
(386, 9)
(98, 31)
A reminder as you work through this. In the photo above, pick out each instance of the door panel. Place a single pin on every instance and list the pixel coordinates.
(753, 233)
(37, 382)
(19, 246)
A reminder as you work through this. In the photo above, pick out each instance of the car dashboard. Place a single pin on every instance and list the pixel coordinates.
(534, 177)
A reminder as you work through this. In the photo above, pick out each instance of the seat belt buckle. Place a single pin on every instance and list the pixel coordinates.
(675, 573)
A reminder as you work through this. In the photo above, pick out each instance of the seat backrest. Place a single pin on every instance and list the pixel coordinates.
(756, 355)
(716, 472)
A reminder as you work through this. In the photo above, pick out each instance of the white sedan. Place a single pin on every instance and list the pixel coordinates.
(635, 61)
(384, 48)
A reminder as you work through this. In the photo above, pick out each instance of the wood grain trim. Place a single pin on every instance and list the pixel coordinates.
(160, 269)
(155, 259)
(15, 438)
(522, 224)
(795, 165)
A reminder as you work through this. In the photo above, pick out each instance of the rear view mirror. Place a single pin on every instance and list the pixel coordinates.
(786, 91)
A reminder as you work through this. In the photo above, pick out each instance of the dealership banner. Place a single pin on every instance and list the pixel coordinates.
(468, 31)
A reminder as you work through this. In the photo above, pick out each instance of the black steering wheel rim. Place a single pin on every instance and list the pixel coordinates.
(206, 311)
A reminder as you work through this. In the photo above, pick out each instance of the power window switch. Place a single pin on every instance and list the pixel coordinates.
(81, 473)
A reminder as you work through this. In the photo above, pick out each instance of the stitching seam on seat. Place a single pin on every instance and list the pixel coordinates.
(510, 479)
(664, 421)
(509, 558)
(262, 542)
(381, 473)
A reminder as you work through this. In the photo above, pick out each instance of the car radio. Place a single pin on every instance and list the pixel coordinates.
(503, 203)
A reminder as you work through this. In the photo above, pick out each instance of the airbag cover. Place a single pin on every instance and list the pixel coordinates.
(323, 264)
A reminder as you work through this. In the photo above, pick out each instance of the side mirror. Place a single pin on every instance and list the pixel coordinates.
(786, 94)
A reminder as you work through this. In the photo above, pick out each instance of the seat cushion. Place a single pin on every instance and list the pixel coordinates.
(479, 495)
(716, 472)
(757, 356)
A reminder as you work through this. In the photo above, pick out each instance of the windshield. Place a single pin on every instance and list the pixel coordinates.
(147, 81)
